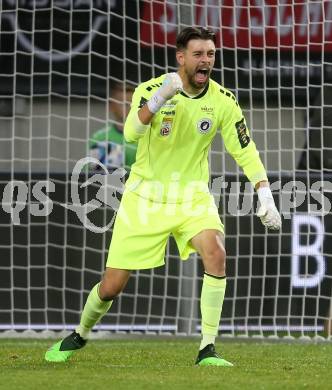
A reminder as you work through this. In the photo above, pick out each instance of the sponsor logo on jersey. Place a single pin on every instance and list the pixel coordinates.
(163, 112)
(207, 109)
(166, 126)
(204, 125)
(242, 135)
(170, 104)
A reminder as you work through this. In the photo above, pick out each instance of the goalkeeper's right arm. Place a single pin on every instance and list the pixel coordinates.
(139, 121)
(171, 85)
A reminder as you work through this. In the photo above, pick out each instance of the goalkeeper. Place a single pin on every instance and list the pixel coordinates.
(174, 118)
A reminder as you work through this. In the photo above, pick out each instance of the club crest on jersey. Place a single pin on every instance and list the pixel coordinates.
(166, 127)
(204, 125)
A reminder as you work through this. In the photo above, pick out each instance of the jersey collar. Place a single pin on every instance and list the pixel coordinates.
(198, 96)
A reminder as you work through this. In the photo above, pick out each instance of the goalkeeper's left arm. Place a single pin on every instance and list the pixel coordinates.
(243, 149)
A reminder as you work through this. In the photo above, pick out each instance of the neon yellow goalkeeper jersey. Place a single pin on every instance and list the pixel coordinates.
(172, 155)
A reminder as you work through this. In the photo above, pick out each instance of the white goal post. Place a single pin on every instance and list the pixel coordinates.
(58, 60)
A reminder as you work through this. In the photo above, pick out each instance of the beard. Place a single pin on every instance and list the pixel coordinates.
(197, 80)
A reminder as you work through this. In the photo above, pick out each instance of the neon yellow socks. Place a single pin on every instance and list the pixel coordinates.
(212, 298)
(94, 310)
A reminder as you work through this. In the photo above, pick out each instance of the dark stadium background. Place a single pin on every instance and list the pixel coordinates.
(115, 53)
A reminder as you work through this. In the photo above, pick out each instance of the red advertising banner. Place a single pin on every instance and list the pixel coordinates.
(271, 24)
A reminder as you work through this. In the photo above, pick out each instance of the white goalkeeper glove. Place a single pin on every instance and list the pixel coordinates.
(267, 211)
(171, 85)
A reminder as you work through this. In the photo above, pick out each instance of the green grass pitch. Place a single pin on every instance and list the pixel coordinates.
(159, 363)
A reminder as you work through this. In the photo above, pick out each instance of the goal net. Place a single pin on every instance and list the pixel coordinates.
(59, 63)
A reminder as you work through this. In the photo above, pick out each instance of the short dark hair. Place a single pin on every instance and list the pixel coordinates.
(189, 33)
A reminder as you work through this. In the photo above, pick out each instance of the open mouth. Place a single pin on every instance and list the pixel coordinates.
(202, 75)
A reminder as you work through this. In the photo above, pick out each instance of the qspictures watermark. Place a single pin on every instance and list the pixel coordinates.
(16, 194)
(110, 188)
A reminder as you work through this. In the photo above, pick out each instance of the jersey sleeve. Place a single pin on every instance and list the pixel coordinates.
(139, 99)
(239, 144)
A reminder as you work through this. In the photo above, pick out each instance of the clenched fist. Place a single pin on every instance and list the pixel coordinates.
(171, 85)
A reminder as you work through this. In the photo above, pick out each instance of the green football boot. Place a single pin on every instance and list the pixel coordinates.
(209, 357)
(62, 350)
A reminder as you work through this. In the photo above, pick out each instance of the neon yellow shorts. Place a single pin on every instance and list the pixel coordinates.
(142, 228)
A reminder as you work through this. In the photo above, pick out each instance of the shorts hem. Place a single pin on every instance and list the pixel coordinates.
(187, 250)
(132, 268)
